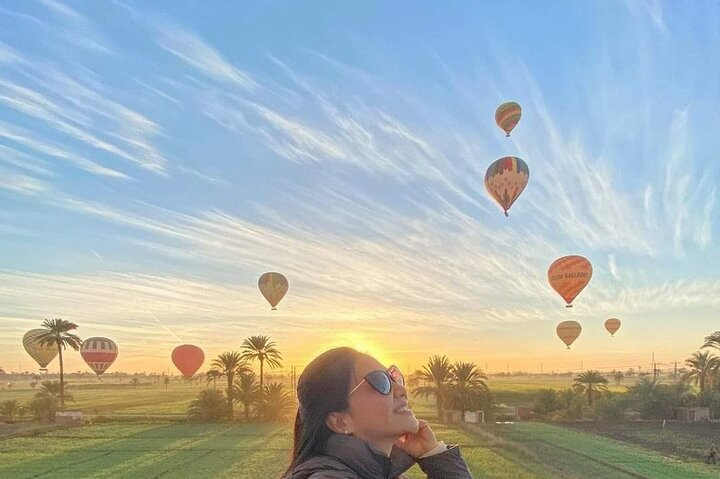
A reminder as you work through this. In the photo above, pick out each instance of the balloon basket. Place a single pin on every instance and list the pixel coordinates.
(507, 135)
(568, 305)
(273, 309)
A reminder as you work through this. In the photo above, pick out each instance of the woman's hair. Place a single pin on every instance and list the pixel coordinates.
(322, 388)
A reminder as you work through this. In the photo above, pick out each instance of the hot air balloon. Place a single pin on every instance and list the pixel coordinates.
(99, 353)
(188, 358)
(273, 286)
(612, 325)
(568, 331)
(43, 354)
(507, 116)
(506, 179)
(568, 276)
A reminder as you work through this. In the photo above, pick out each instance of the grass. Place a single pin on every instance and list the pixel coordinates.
(166, 447)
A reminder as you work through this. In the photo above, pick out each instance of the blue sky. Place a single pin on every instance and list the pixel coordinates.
(156, 159)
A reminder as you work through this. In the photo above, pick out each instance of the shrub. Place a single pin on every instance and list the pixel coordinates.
(209, 405)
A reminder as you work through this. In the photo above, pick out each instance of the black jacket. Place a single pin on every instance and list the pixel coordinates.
(346, 457)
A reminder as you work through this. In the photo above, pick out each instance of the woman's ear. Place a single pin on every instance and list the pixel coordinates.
(339, 422)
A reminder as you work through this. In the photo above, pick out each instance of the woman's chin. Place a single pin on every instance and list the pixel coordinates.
(413, 425)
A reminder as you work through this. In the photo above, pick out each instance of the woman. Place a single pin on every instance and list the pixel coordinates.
(353, 422)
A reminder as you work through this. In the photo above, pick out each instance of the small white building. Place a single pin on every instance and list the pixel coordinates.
(69, 417)
(693, 414)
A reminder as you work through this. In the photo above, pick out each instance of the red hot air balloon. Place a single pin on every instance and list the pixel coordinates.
(188, 358)
(99, 353)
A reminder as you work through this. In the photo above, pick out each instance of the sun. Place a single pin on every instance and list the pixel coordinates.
(359, 342)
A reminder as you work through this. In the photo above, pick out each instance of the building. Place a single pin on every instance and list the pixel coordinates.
(2, 372)
(693, 414)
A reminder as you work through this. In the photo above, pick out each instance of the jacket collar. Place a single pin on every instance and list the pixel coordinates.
(366, 461)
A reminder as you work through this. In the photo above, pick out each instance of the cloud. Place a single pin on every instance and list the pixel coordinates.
(76, 29)
(22, 184)
(202, 57)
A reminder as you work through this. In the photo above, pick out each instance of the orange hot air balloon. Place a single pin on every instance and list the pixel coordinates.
(506, 179)
(43, 354)
(273, 286)
(99, 353)
(507, 116)
(568, 276)
(612, 325)
(568, 332)
(188, 358)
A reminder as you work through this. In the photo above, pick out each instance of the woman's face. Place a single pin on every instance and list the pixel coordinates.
(375, 416)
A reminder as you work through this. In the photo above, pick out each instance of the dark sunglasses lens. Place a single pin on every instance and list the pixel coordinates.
(380, 381)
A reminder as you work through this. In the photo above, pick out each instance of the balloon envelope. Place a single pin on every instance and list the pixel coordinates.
(507, 116)
(612, 325)
(506, 179)
(188, 358)
(568, 276)
(273, 286)
(42, 354)
(99, 353)
(568, 332)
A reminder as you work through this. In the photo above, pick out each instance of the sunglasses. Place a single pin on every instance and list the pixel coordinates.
(381, 381)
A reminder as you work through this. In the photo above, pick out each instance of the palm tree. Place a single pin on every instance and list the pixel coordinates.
(712, 341)
(230, 364)
(134, 382)
(213, 375)
(210, 405)
(54, 389)
(650, 396)
(246, 391)
(590, 383)
(166, 381)
(276, 403)
(679, 393)
(619, 376)
(58, 333)
(262, 349)
(468, 388)
(703, 369)
(437, 372)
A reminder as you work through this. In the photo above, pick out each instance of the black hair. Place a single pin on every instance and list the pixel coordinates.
(322, 388)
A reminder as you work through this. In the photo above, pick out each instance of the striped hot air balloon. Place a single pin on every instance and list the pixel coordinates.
(273, 286)
(188, 358)
(568, 332)
(612, 325)
(99, 353)
(507, 116)
(568, 276)
(506, 179)
(43, 354)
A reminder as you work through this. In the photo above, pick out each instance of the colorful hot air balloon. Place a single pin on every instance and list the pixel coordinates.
(568, 276)
(188, 358)
(99, 353)
(506, 179)
(612, 325)
(568, 332)
(273, 286)
(507, 116)
(43, 354)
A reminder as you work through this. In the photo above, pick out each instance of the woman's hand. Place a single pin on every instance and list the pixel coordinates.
(419, 443)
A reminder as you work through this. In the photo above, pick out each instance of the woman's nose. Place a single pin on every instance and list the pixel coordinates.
(399, 390)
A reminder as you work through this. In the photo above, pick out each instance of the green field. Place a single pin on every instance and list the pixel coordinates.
(157, 443)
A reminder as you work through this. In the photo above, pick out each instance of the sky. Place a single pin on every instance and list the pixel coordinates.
(157, 157)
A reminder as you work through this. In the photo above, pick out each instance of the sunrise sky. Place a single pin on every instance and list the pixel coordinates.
(156, 158)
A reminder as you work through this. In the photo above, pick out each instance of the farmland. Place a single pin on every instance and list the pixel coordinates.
(145, 436)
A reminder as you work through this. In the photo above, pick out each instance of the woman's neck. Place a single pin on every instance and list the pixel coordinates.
(383, 446)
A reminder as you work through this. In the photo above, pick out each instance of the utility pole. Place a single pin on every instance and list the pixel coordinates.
(654, 367)
(675, 373)
(541, 367)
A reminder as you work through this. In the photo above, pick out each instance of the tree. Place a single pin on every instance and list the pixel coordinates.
(43, 407)
(209, 405)
(57, 332)
(33, 384)
(134, 382)
(612, 406)
(166, 381)
(571, 404)
(468, 390)
(55, 390)
(703, 369)
(246, 391)
(712, 340)
(618, 376)
(650, 397)
(8, 410)
(260, 348)
(590, 383)
(437, 372)
(546, 401)
(213, 375)
(275, 403)
(679, 393)
(230, 364)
